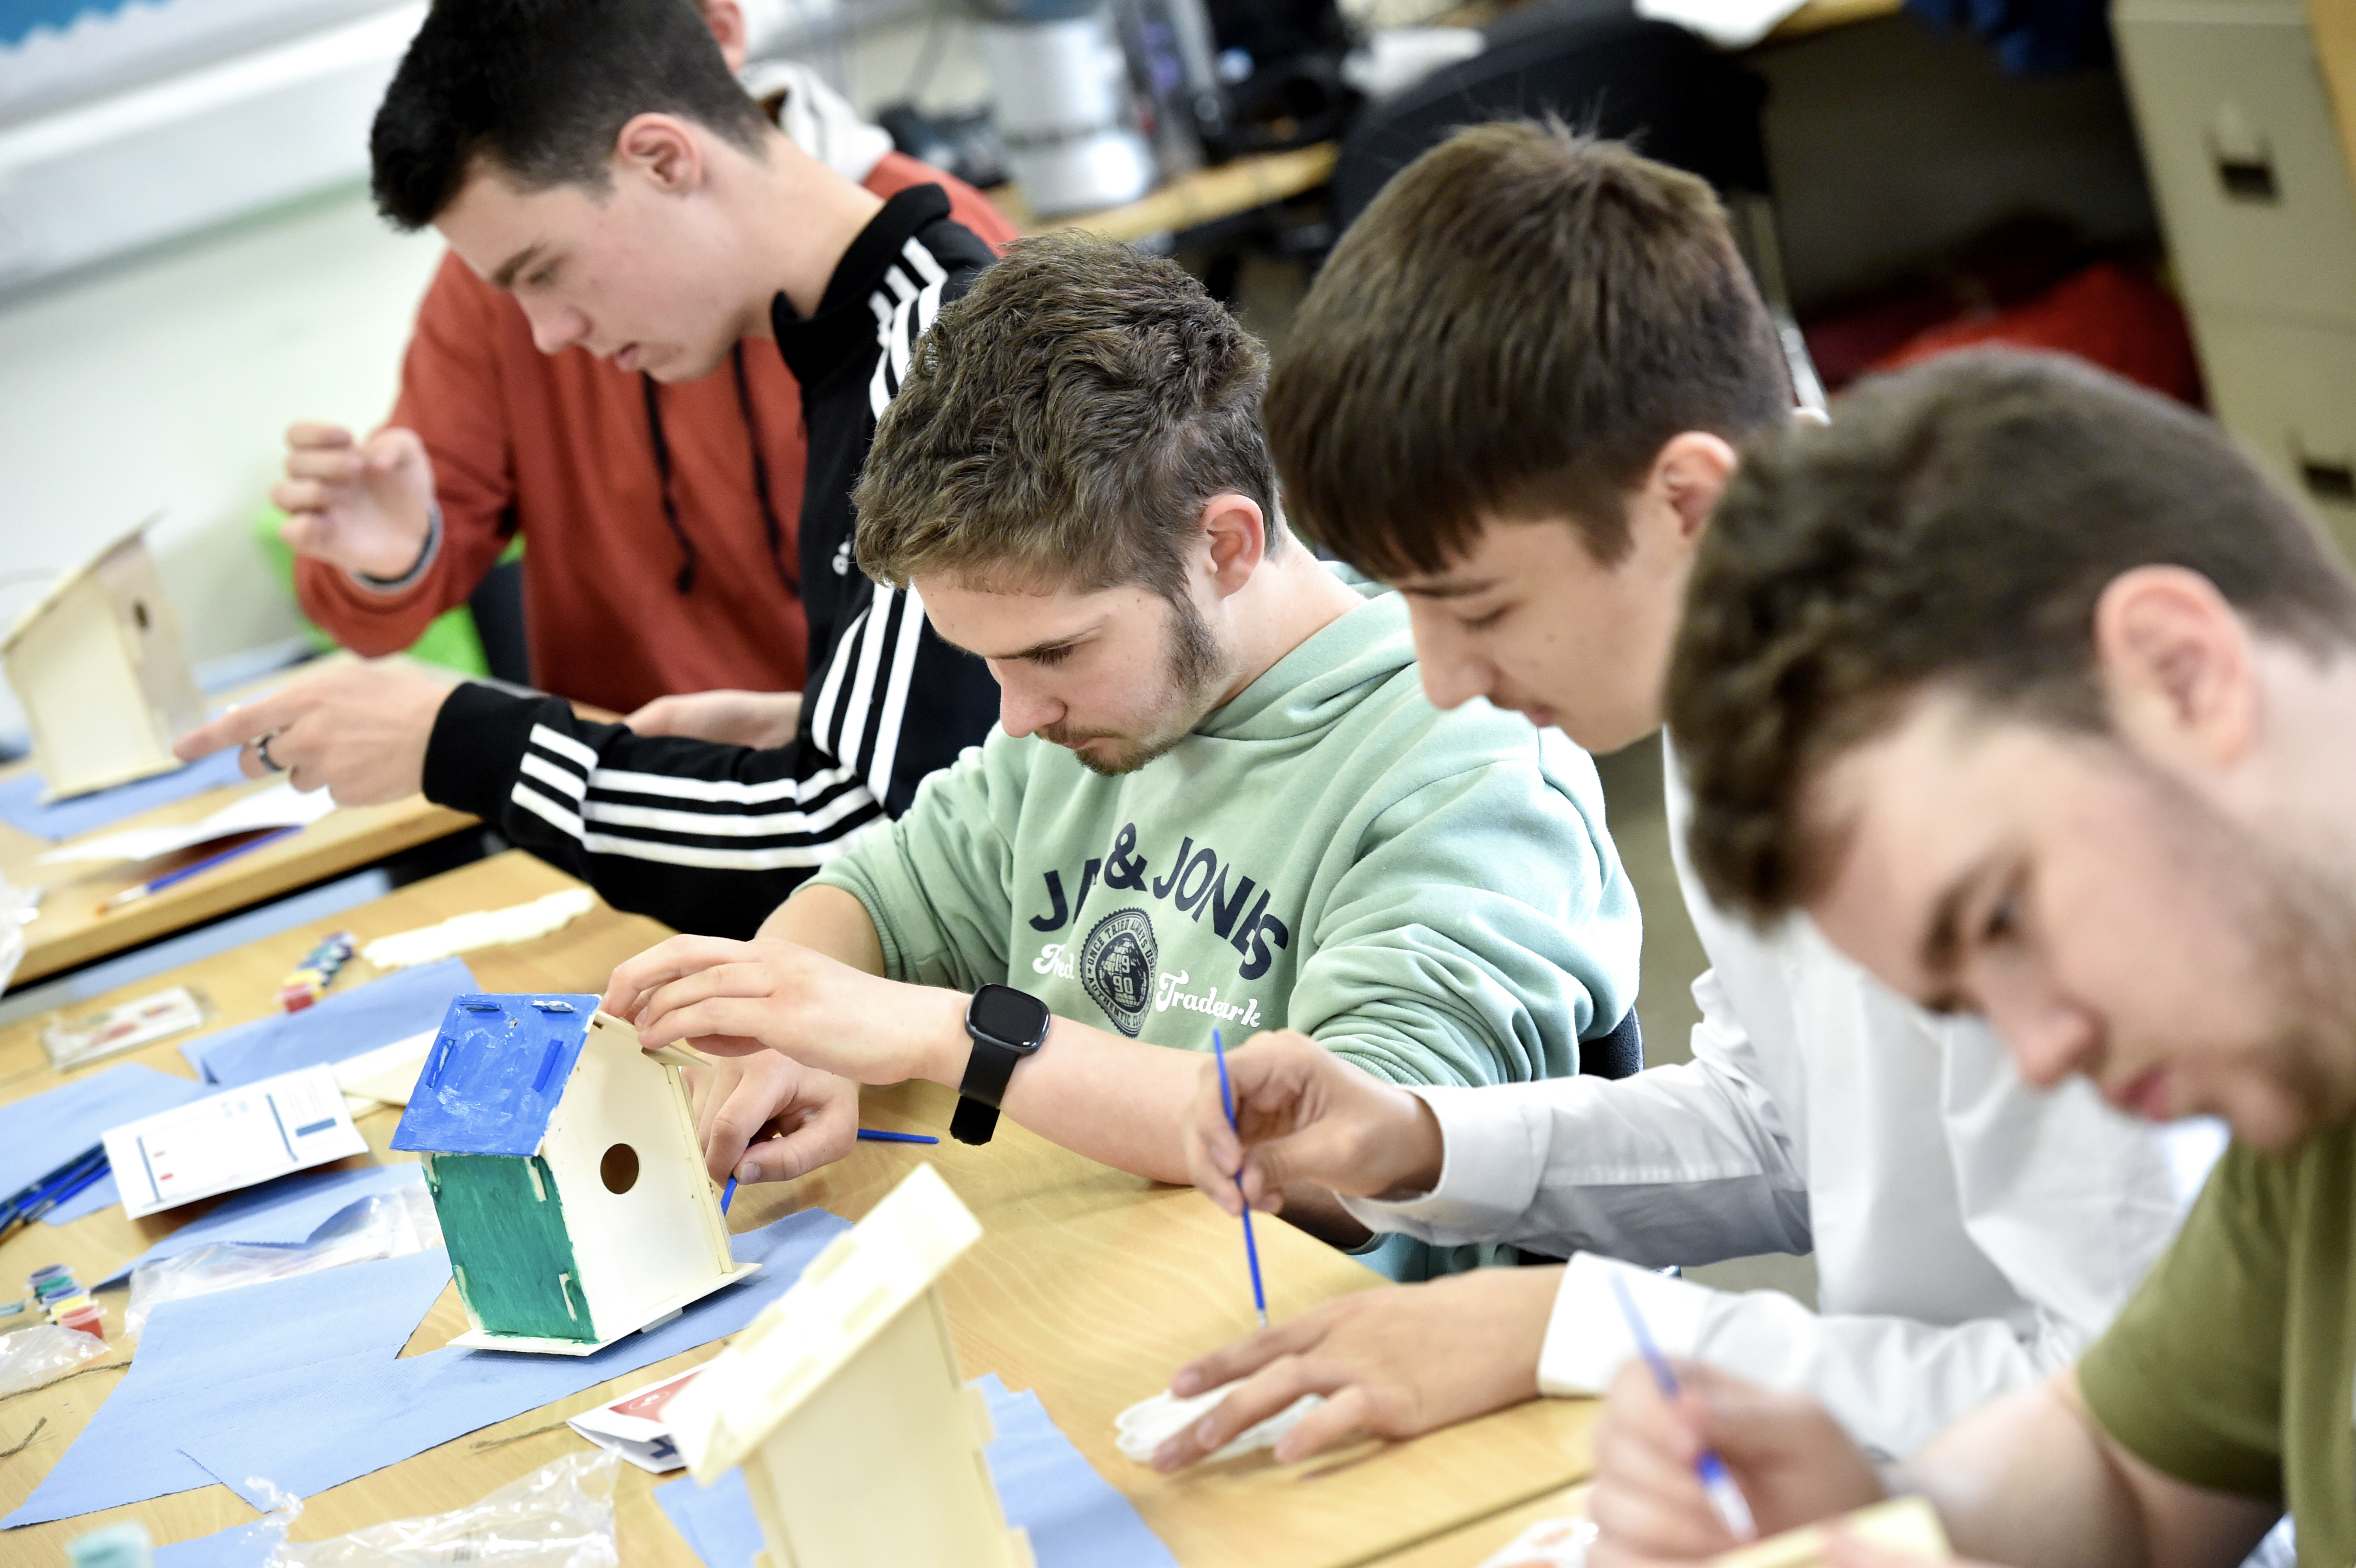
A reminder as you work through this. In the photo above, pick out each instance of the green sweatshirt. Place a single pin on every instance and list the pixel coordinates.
(1432, 895)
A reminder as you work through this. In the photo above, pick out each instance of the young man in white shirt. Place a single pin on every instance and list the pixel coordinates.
(1514, 392)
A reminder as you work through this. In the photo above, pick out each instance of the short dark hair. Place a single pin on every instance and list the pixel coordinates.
(1952, 529)
(1064, 423)
(1513, 328)
(542, 89)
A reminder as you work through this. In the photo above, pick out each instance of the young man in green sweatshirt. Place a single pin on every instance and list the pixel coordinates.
(1217, 797)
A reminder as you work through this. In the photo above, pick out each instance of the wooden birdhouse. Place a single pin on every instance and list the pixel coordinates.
(100, 671)
(842, 1402)
(566, 1172)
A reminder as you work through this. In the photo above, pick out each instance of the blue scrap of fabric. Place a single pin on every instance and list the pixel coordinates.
(339, 1025)
(21, 804)
(1074, 1517)
(40, 1133)
(300, 1383)
(494, 1074)
(239, 1546)
(285, 1212)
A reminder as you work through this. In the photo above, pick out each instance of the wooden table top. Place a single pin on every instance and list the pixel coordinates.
(71, 928)
(1089, 1286)
(1200, 196)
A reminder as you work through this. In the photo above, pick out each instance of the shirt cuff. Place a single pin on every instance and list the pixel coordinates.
(408, 580)
(1588, 1338)
(1489, 1167)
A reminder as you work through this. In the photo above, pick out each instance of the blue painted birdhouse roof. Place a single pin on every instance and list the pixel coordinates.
(494, 1074)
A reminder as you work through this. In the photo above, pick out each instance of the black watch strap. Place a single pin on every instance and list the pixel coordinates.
(974, 1121)
(994, 1057)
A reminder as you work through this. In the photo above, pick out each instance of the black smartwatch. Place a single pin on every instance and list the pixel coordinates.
(1007, 1024)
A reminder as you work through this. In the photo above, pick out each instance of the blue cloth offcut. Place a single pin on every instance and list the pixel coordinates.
(239, 1546)
(20, 798)
(281, 1214)
(339, 1025)
(1074, 1517)
(300, 1382)
(40, 1133)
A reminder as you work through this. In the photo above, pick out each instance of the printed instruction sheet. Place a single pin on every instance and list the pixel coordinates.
(232, 1139)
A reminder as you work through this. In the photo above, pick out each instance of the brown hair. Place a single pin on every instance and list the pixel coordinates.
(1953, 528)
(1064, 423)
(1513, 328)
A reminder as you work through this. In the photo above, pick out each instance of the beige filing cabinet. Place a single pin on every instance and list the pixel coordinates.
(2245, 157)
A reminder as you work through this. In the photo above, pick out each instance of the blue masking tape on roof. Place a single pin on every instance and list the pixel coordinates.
(495, 1073)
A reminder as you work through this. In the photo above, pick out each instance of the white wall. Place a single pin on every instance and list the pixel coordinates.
(163, 383)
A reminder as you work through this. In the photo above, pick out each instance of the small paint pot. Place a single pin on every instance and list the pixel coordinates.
(73, 1303)
(51, 1271)
(89, 1320)
(49, 1290)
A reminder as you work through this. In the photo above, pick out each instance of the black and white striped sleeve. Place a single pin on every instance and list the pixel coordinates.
(702, 837)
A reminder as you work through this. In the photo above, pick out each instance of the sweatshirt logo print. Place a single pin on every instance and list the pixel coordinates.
(1198, 883)
(1118, 964)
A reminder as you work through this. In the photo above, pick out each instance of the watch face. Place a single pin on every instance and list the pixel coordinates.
(1004, 1013)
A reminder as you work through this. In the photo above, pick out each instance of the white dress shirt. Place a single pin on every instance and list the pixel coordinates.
(1971, 1233)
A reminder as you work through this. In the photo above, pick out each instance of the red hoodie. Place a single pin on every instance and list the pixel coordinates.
(560, 447)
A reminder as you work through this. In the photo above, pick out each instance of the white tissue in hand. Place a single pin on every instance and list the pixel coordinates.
(1150, 1423)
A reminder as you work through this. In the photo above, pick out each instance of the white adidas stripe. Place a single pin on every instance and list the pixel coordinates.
(717, 859)
(895, 693)
(718, 792)
(702, 824)
(539, 805)
(853, 730)
(927, 268)
(564, 745)
(563, 780)
(822, 725)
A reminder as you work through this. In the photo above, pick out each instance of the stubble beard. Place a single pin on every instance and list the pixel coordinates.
(2300, 922)
(1197, 667)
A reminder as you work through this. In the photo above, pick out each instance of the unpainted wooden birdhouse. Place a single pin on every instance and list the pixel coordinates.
(566, 1173)
(843, 1404)
(100, 671)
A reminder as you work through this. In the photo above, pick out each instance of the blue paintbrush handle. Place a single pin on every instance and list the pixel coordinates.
(1251, 1247)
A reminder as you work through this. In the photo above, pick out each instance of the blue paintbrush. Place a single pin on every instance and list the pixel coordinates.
(1251, 1248)
(1725, 1498)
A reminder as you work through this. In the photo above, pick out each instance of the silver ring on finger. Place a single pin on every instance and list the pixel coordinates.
(262, 750)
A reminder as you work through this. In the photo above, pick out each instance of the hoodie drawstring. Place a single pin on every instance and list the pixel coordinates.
(771, 528)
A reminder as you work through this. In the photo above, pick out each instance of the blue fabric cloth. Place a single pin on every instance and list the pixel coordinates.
(239, 1546)
(40, 1133)
(20, 797)
(300, 1382)
(281, 1214)
(1074, 1517)
(339, 1025)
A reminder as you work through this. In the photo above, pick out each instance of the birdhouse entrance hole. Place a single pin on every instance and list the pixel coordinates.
(620, 1168)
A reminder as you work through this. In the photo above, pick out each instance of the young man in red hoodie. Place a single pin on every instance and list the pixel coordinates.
(661, 516)
(601, 166)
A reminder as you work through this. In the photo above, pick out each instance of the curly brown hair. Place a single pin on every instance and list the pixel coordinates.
(1062, 424)
(1953, 529)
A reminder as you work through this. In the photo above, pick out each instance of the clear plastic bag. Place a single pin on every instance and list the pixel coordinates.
(31, 1357)
(383, 1225)
(560, 1516)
